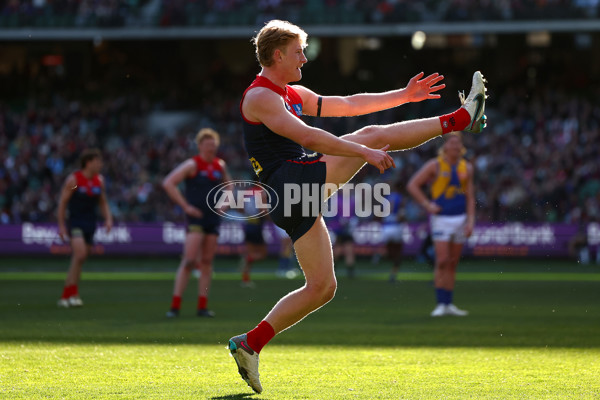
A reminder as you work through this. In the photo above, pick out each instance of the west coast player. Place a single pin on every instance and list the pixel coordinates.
(452, 215)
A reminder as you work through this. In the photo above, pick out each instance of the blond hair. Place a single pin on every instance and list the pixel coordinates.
(448, 137)
(276, 34)
(207, 133)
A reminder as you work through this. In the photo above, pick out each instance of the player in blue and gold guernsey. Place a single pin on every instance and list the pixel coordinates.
(82, 193)
(452, 215)
(284, 151)
(200, 174)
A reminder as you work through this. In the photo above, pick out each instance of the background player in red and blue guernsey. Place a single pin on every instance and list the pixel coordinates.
(452, 215)
(200, 174)
(82, 193)
(392, 230)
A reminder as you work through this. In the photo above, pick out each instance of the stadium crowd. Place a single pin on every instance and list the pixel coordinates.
(133, 13)
(537, 161)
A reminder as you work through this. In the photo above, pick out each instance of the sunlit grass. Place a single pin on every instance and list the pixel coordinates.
(531, 338)
(53, 370)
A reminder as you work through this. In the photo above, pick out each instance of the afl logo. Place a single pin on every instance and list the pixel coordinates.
(242, 200)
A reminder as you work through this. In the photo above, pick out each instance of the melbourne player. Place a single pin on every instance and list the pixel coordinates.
(452, 210)
(284, 150)
(82, 193)
(200, 174)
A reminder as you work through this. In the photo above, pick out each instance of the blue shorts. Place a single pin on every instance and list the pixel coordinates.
(202, 225)
(313, 172)
(82, 229)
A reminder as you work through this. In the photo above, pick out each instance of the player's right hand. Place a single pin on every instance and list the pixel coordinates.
(380, 158)
(192, 211)
(433, 208)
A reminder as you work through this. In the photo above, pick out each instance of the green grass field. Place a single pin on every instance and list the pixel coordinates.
(533, 332)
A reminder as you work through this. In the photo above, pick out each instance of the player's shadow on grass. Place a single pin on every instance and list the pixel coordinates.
(239, 396)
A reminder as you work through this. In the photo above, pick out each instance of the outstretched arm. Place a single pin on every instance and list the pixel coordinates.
(418, 89)
(267, 107)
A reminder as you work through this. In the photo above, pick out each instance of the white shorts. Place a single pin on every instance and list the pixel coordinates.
(448, 228)
(392, 233)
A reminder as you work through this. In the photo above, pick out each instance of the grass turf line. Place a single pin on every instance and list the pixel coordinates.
(409, 276)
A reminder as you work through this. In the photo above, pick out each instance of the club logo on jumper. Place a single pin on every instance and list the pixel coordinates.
(242, 200)
(295, 108)
(298, 109)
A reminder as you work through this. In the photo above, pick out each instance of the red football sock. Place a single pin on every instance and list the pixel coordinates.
(74, 290)
(202, 300)
(176, 302)
(259, 336)
(69, 291)
(456, 121)
(245, 276)
(66, 292)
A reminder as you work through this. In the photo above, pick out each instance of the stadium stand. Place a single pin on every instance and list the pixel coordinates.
(135, 13)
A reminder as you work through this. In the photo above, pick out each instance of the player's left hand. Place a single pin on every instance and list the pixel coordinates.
(108, 226)
(379, 158)
(468, 230)
(423, 89)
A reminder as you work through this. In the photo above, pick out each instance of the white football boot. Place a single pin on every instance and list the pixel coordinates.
(246, 360)
(475, 103)
(451, 309)
(63, 303)
(439, 311)
(75, 301)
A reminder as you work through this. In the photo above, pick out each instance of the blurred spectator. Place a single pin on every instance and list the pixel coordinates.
(538, 161)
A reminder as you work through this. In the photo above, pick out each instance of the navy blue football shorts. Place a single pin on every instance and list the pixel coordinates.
(295, 223)
(202, 225)
(83, 229)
